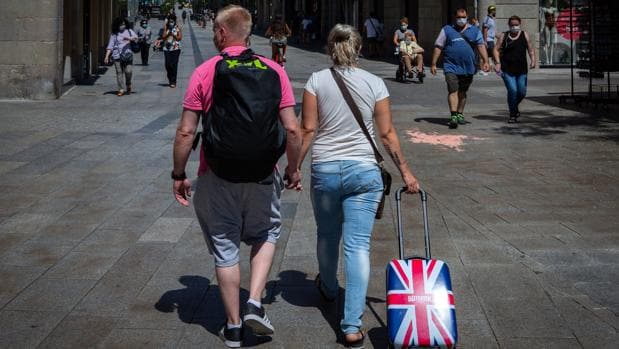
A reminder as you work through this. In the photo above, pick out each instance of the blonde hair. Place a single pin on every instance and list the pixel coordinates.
(344, 45)
(236, 19)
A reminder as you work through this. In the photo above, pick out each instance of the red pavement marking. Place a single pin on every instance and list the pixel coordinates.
(454, 142)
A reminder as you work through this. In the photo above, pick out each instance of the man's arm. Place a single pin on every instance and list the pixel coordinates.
(485, 66)
(183, 141)
(435, 54)
(293, 147)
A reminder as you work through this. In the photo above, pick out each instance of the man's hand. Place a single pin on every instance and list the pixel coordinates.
(433, 69)
(485, 67)
(182, 191)
(497, 68)
(293, 179)
(533, 65)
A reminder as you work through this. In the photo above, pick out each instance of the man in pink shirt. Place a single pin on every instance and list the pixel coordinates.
(234, 201)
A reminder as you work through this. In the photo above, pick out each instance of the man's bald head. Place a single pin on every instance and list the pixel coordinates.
(236, 20)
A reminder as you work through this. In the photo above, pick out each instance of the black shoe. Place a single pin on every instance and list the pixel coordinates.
(231, 337)
(257, 319)
(453, 121)
(512, 120)
(324, 296)
(358, 344)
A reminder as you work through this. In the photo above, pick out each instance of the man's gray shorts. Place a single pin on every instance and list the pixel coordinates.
(233, 212)
(459, 83)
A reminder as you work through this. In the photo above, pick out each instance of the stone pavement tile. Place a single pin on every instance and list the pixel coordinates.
(297, 270)
(141, 338)
(167, 302)
(483, 252)
(51, 295)
(63, 231)
(95, 212)
(14, 280)
(143, 258)
(112, 295)
(10, 241)
(48, 162)
(80, 331)
(82, 265)
(176, 210)
(130, 220)
(6, 166)
(26, 223)
(154, 202)
(35, 254)
(604, 292)
(26, 329)
(540, 342)
(110, 241)
(166, 230)
(53, 206)
(182, 261)
(475, 334)
(515, 303)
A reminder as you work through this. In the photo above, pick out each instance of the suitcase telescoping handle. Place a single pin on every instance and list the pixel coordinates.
(426, 232)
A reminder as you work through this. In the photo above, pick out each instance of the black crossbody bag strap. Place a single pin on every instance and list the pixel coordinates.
(356, 112)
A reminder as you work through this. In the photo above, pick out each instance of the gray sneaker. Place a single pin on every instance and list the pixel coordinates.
(256, 318)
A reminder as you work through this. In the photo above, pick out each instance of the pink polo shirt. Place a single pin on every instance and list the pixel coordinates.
(199, 94)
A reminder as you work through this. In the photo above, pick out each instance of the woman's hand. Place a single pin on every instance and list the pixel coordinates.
(412, 185)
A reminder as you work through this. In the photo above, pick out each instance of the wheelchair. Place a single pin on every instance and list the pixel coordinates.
(401, 75)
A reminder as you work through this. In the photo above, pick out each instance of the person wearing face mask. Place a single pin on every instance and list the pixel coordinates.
(412, 53)
(510, 55)
(144, 38)
(458, 43)
(171, 43)
(489, 30)
(119, 51)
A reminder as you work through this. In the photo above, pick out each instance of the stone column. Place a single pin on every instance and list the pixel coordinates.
(31, 49)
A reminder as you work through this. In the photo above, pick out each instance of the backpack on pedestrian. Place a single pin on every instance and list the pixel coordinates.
(243, 137)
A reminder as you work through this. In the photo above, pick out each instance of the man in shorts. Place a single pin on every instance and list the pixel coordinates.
(457, 42)
(231, 211)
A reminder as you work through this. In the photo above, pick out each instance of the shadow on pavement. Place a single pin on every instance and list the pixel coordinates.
(547, 124)
(436, 121)
(295, 288)
(378, 335)
(200, 303)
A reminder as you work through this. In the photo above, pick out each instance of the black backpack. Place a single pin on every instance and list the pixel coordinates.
(243, 137)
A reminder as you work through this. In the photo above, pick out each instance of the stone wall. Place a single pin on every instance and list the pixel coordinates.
(31, 51)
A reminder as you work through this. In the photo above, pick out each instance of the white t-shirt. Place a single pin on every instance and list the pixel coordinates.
(339, 136)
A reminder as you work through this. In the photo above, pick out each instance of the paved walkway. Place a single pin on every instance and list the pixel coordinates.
(95, 252)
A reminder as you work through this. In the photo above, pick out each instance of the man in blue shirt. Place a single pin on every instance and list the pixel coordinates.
(457, 43)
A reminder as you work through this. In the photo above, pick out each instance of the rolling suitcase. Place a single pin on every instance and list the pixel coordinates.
(420, 303)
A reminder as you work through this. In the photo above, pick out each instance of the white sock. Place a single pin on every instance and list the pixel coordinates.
(231, 326)
(254, 302)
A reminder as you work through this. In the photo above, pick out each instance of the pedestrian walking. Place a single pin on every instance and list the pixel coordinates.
(144, 39)
(489, 31)
(346, 185)
(119, 52)
(172, 36)
(248, 103)
(184, 15)
(457, 43)
(374, 34)
(510, 55)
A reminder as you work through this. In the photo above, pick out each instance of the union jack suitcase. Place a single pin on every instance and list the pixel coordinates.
(420, 303)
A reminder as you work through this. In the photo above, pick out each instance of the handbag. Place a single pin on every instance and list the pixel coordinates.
(386, 176)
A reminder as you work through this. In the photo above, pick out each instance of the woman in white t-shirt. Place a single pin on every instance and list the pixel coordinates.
(346, 184)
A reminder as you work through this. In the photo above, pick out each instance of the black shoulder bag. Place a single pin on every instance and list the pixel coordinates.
(386, 176)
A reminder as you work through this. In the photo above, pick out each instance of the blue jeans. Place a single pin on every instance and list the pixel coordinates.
(516, 90)
(345, 195)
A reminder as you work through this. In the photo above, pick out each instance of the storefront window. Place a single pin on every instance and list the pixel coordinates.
(560, 24)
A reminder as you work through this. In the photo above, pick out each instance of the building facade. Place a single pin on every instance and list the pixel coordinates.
(51, 43)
